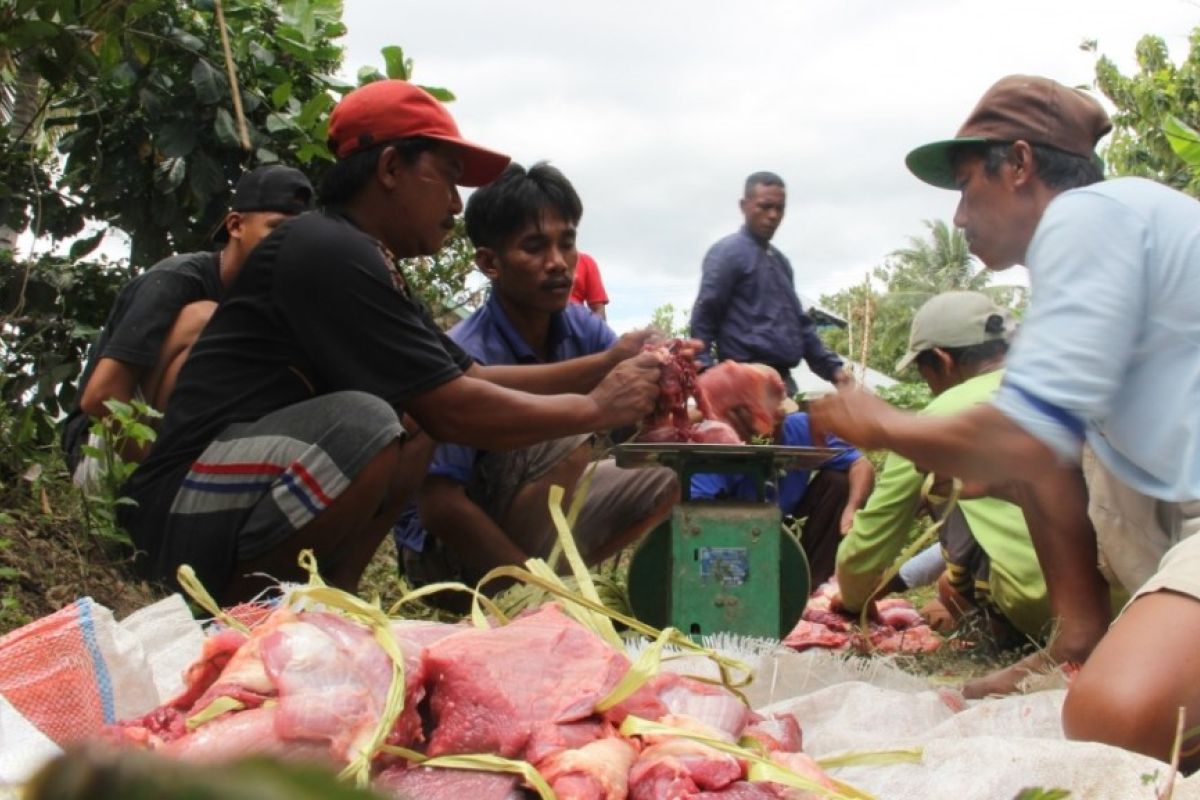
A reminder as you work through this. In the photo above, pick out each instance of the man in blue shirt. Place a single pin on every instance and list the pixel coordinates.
(1105, 371)
(481, 509)
(747, 307)
(826, 501)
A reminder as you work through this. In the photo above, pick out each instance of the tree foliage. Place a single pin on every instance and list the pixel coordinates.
(670, 320)
(1159, 99)
(884, 304)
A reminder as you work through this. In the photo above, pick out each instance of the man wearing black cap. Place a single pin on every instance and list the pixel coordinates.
(1105, 371)
(308, 408)
(158, 316)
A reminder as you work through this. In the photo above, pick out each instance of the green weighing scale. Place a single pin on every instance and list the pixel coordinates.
(721, 565)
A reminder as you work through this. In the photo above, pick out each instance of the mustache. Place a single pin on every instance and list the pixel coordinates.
(556, 283)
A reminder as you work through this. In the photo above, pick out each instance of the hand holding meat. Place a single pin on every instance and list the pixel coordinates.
(628, 392)
(634, 342)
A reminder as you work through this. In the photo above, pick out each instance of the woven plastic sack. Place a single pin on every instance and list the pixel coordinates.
(72, 672)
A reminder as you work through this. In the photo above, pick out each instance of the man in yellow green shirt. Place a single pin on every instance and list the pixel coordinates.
(958, 342)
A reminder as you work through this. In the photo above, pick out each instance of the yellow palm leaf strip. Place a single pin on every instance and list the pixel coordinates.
(443, 586)
(186, 576)
(643, 669)
(600, 623)
(216, 708)
(873, 758)
(480, 763)
(760, 769)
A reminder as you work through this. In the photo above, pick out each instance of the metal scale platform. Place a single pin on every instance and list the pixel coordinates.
(721, 565)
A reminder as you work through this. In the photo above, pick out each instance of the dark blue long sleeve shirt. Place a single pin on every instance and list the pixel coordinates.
(748, 308)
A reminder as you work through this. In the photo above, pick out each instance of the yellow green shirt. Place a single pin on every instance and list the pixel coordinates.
(1016, 584)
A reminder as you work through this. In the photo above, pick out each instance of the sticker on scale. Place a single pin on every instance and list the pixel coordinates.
(728, 566)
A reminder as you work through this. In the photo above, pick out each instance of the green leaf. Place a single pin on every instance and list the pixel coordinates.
(266, 156)
(80, 248)
(368, 75)
(281, 94)
(225, 129)
(445, 95)
(205, 177)
(169, 174)
(141, 49)
(397, 67)
(1184, 140)
(33, 30)
(210, 84)
(313, 109)
(176, 139)
(277, 122)
(261, 54)
(124, 76)
(187, 40)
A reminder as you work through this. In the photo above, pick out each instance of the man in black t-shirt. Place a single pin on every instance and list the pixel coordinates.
(307, 410)
(158, 315)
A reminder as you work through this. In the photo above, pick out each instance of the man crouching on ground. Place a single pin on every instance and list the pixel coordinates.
(306, 411)
(486, 508)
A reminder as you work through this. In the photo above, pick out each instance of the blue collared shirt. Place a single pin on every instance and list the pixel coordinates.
(490, 338)
(748, 308)
(788, 490)
(1109, 352)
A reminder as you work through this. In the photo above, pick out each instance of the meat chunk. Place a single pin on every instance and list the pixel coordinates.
(597, 771)
(730, 385)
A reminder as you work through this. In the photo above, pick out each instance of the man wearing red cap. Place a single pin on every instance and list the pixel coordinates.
(1105, 371)
(308, 408)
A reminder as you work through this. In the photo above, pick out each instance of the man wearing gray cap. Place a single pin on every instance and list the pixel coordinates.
(957, 343)
(1106, 374)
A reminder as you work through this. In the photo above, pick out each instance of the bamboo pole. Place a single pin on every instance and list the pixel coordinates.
(238, 114)
(866, 332)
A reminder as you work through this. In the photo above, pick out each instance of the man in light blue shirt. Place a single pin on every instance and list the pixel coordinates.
(1105, 370)
(477, 509)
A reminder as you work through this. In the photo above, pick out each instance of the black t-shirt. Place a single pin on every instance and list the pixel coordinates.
(139, 322)
(318, 308)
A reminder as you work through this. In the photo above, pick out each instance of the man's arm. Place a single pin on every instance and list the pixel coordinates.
(110, 380)
(878, 531)
(466, 529)
(573, 375)
(980, 444)
(820, 359)
(479, 413)
(716, 284)
(860, 479)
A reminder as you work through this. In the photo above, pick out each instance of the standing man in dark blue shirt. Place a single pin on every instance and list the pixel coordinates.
(747, 307)
(483, 508)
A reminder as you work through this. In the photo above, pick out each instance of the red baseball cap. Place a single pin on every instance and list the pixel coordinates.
(386, 110)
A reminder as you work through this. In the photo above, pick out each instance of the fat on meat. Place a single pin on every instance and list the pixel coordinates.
(491, 691)
(712, 706)
(731, 385)
(599, 770)
(677, 768)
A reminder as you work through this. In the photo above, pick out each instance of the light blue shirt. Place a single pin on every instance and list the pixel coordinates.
(1110, 350)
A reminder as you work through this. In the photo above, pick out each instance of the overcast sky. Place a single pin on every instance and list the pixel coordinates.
(657, 110)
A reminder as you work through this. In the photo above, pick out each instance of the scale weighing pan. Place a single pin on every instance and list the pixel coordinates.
(638, 454)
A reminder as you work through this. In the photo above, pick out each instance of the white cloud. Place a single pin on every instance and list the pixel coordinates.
(657, 110)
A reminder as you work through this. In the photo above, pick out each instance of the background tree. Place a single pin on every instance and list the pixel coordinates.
(1159, 99)
(882, 307)
(670, 320)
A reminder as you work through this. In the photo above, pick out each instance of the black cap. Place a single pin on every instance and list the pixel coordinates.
(270, 188)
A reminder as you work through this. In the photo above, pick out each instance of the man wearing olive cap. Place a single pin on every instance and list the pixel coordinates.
(307, 410)
(1106, 372)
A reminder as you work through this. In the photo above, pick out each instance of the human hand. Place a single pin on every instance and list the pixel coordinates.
(633, 342)
(628, 392)
(847, 520)
(1009, 680)
(855, 415)
(938, 616)
(842, 379)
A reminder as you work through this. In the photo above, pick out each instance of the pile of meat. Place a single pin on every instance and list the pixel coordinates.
(718, 392)
(312, 686)
(897, 628)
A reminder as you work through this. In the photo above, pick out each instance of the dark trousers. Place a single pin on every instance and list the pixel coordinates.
(823, 504)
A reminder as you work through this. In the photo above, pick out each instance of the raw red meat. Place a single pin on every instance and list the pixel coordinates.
(597, 771)
(712, 431)
(681, 768)
(780, 732)
(431, 783)
(897, 628)
(677, 382)
(731, 385)
(490, 691)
